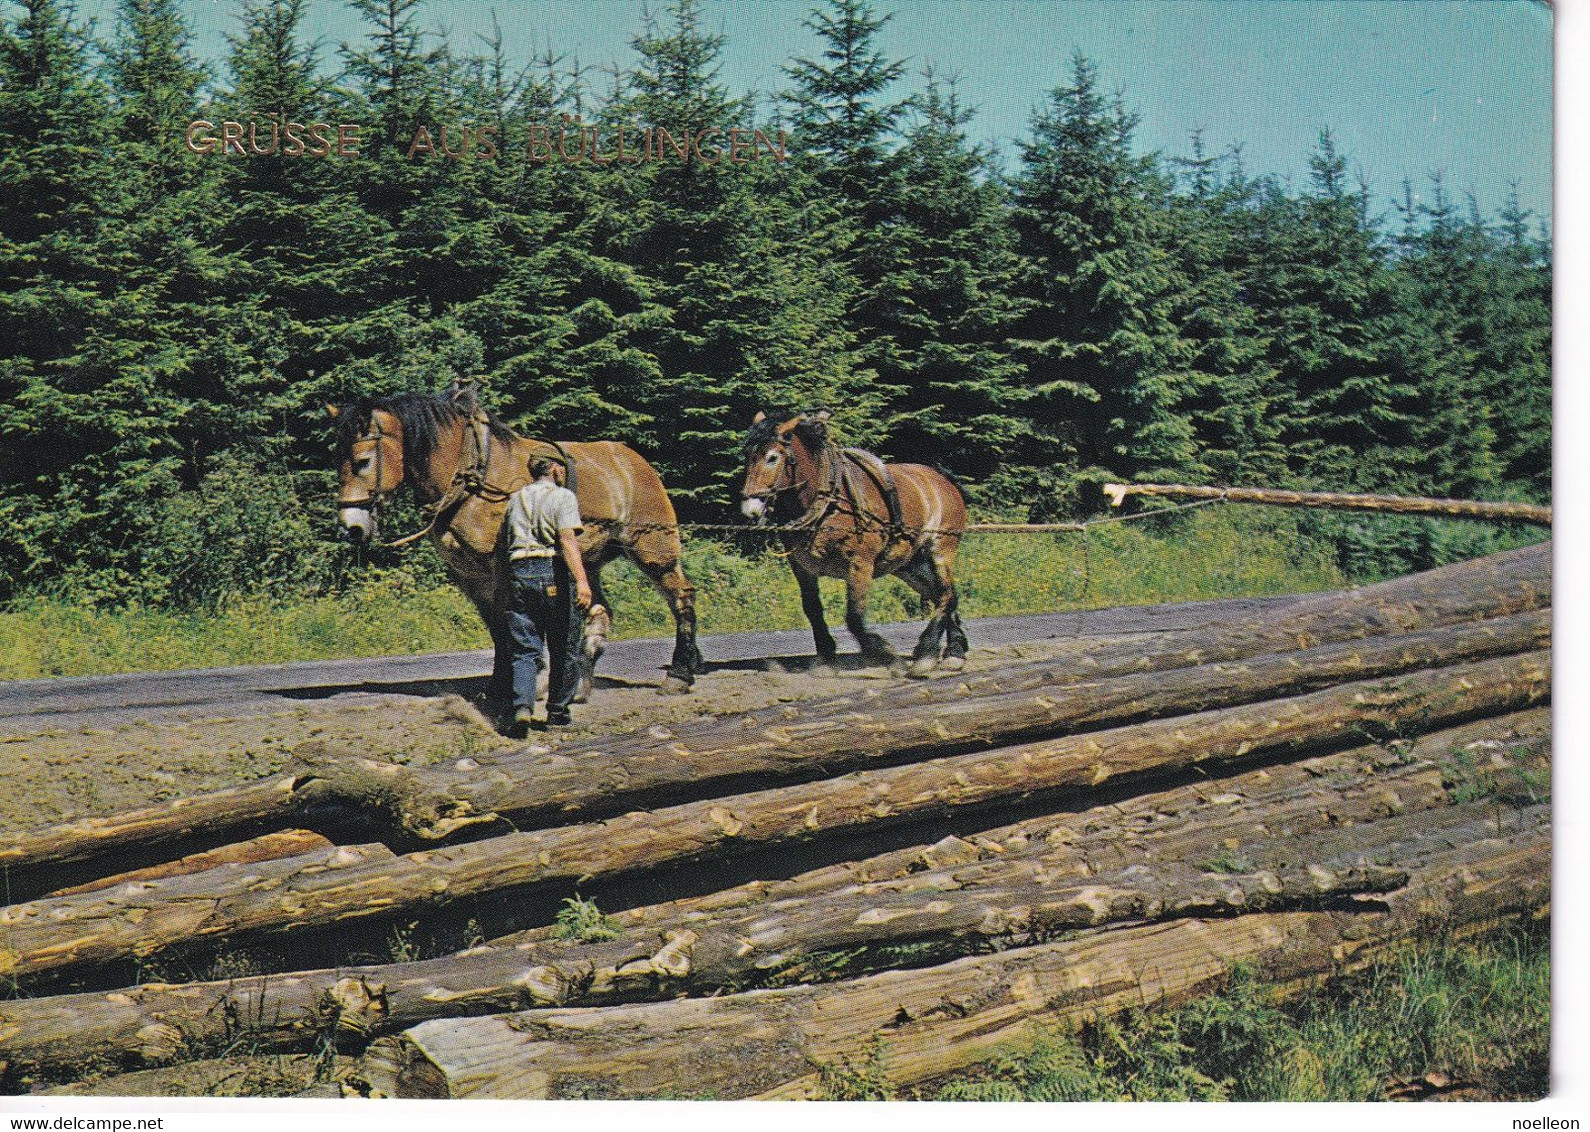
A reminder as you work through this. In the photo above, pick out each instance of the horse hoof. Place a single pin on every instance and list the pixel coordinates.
(582, 694)
(952, 663)
(899, 667)
(673, 686)
(921, 669)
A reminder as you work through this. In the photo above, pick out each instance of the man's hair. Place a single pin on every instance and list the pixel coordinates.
(543, 465)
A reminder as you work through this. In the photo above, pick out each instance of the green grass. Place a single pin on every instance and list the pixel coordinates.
(1220, 552)
(1476, 1012)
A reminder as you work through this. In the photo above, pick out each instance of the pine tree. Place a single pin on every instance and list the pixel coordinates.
(62, 481)
(846, 128)
(1328, 301)
(1106, 366)
(749, 301)
(1233, 382)
(956, 397)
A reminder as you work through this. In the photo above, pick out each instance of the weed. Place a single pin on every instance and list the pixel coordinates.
(582, 920)
(861, 1080)
(1229, 861)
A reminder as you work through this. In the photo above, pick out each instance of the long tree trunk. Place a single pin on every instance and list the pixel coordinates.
(438, 804)
(1275, 813)
(54, 934)
(1338, 500)
(807, 740)
(1222, 814)
(914, 1025)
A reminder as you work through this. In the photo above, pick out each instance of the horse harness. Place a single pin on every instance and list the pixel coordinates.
(470, 481)
(839, 493)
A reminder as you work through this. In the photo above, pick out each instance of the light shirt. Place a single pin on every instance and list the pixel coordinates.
(536, 513)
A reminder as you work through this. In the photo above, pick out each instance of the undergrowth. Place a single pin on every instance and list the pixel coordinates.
(1221, 552)
(1473, 1013)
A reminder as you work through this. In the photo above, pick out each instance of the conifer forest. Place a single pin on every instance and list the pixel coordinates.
(1036, 321)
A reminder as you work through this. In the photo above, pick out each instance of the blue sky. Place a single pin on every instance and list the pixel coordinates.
(1408, 86)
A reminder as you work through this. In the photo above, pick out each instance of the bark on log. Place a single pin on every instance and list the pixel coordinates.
(1227, 812)
(437, 805)
(219, 814)
(268, 847)
(919, 1024)
(808, 740)
(1397, 504)
(96, 927)
(147, 1024)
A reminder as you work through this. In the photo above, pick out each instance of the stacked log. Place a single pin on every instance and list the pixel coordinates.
(531, 787)
(1299, 794)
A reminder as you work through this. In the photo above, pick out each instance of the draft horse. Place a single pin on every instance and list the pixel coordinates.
(464, 463)
(849, 515)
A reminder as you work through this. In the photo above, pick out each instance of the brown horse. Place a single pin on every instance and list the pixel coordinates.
(846, 525)
(463, 465)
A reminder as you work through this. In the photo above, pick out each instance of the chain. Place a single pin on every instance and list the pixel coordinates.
(866, 518)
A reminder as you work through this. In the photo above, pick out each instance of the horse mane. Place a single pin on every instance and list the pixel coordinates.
(422, 415)
(813, 432)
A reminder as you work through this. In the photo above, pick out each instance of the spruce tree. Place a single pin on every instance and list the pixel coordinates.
(1106, 367)
(956, 396)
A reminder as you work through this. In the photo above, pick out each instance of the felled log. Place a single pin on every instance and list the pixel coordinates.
(1228, 812)
(267, 847)
(667, 947)
(220, 814)
(95, 927)
(806, 740)
(439, 803)
(1342, 501)
(917, 1024)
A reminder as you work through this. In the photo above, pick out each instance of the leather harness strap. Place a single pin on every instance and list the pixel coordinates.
(883, 479)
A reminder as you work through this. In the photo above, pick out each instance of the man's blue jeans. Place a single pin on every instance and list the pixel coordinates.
(538, 614)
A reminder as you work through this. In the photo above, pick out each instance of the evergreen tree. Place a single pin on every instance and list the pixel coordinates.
(957, 398)
(845, 128)
(750, 304)
(1107, 369)
(1233, 383)
(66, 482)
(1328, 302)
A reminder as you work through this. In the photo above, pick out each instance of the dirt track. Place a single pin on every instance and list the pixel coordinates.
(61, 763)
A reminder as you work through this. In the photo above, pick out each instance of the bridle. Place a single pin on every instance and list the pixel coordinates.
(786, 471)
(377, 498)
(830, 498)
(470, 480)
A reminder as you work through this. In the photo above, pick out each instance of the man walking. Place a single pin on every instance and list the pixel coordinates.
(543, 556)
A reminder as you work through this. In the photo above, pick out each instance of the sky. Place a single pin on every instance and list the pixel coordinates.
(1407, 86)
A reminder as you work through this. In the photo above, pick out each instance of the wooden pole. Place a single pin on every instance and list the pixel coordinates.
(1269, 819)
(93, 928)
(1397, 504)
(914, 1025)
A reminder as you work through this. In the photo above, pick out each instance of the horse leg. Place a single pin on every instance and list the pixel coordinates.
(492, 607)
(955, 646)
(944, 620)
(857, 584)
(919, 575)
(812, 606)
(665, 573)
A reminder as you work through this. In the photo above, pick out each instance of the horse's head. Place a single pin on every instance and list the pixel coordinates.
(780, 454)
(370, 464)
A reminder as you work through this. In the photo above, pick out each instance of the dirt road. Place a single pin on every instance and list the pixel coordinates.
(78, 747)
